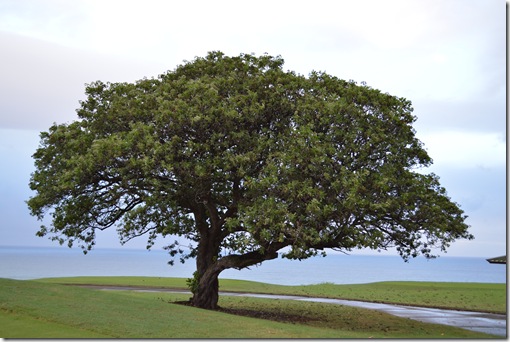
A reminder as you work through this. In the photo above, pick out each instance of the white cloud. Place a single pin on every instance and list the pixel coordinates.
(447, 57)
(57, 21)
(43, 82)
(420, 48)
(458, 149)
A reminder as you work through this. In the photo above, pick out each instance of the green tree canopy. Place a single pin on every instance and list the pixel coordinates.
(246, 160)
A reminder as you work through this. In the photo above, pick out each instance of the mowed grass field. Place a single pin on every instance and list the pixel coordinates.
(482, 297)
(38, 309)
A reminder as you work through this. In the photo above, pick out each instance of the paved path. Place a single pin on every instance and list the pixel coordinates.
(476, 321)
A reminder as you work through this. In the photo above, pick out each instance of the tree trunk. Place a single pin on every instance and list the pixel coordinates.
(206, 295)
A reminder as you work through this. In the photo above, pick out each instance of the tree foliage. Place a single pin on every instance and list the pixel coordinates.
(245, 160)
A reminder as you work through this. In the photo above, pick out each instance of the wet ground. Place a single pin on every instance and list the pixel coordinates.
(476, 321)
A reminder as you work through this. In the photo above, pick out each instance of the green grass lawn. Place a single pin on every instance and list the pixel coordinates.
(481, 297)
(36, 309)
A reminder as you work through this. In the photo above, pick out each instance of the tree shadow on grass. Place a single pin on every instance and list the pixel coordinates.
(262, 314)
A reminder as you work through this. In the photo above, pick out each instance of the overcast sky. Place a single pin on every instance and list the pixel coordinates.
(447, 56)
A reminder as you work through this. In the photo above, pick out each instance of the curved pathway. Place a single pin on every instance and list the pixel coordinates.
(477, 321)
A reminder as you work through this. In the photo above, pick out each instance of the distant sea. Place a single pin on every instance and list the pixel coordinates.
(43, 262)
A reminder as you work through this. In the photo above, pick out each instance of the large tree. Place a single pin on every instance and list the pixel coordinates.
(245, 160)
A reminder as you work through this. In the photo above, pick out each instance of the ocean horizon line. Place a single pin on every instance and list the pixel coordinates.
(160, 249)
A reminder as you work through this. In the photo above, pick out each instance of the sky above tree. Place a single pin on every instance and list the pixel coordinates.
(447, 56)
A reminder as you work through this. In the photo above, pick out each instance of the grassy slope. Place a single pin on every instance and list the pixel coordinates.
(110, 314)
(35, 309)
(461, 296)
(13, 325)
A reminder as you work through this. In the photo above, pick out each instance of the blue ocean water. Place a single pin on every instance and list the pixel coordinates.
(42, 262)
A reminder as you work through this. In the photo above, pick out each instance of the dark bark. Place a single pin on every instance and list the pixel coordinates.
(206, 295)
(209, 264)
